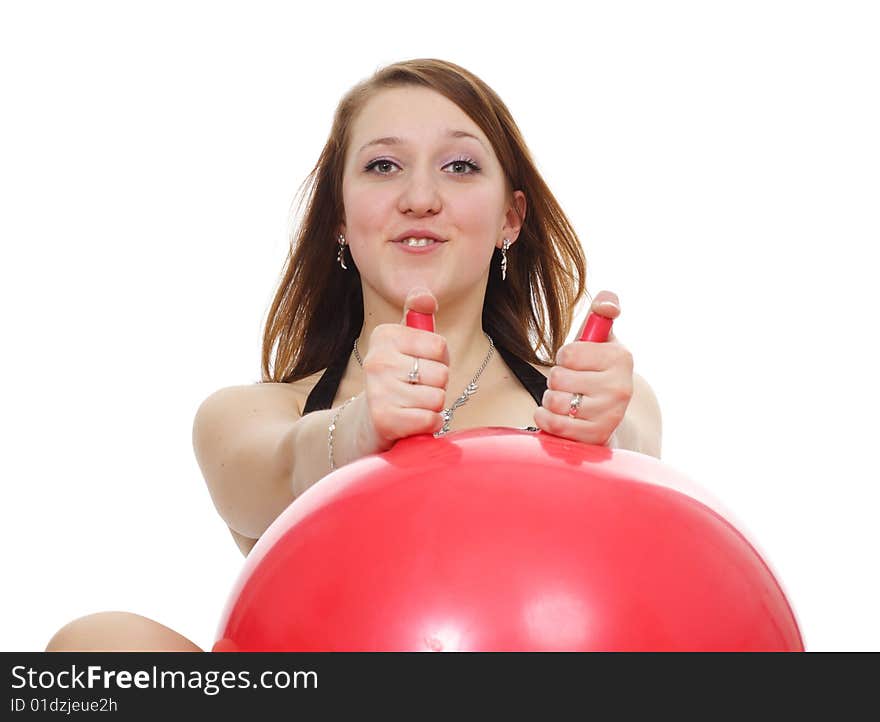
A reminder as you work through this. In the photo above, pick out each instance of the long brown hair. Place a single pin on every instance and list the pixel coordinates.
(318, 309)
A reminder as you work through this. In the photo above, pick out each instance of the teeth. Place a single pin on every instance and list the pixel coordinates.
(417, 242)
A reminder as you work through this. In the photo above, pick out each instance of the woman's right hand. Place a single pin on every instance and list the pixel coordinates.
(396, 408)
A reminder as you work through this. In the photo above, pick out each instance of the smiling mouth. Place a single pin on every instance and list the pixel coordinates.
(418, 242)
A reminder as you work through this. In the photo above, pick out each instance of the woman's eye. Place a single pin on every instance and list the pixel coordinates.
(463, 166)
(466, 163)
(377, 163)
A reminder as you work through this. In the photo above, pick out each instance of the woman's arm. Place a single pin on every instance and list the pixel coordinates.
(257, 454)
(641, 428)
(244, 543)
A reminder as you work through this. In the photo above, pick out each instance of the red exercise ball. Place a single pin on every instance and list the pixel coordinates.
(496, 539)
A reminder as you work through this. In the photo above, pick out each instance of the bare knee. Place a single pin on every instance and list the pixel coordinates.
(118, 632)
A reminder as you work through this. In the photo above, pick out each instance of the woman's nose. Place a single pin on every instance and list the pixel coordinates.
(420, 193)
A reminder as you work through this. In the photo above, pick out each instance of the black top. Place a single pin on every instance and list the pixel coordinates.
(323, 393)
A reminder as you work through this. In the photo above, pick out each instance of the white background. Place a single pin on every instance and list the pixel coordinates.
(720, 164)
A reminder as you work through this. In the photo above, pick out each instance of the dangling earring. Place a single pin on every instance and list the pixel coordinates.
(504, 248)
(340, 256)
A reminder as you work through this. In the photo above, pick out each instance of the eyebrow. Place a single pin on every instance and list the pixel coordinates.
(394, 140)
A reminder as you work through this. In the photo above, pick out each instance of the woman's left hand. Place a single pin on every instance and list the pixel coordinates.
(601, 372)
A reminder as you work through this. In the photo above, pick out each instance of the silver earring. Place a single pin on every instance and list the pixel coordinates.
(340, 256)
(504, 248)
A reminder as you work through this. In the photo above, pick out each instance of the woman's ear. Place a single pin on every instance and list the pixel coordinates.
(516, 215)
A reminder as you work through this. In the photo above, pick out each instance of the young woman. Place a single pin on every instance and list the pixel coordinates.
(425, 198)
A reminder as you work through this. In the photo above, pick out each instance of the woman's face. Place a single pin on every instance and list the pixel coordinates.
(440, 175)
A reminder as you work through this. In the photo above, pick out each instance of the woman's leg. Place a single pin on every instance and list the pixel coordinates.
(118, 632)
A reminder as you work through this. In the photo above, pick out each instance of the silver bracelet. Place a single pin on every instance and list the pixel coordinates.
(332, 428)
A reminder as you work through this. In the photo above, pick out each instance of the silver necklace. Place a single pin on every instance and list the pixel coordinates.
(465, 395)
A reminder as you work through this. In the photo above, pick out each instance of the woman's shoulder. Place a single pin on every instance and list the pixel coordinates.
(262, 398)
(301, 388)
(543, 369)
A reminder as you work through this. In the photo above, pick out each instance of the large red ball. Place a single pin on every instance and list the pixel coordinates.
(496, 539)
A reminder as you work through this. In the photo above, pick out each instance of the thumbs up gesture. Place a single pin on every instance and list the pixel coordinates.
(590, 387)
(406, 371)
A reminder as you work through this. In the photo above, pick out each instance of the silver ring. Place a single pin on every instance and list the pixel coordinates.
(413, 376)
(574, 404)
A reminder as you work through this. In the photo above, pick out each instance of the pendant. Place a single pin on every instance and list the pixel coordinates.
(447, 413)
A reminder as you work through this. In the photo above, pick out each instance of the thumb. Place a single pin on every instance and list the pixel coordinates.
(419, 308)
(607, 304)
(597, 325)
